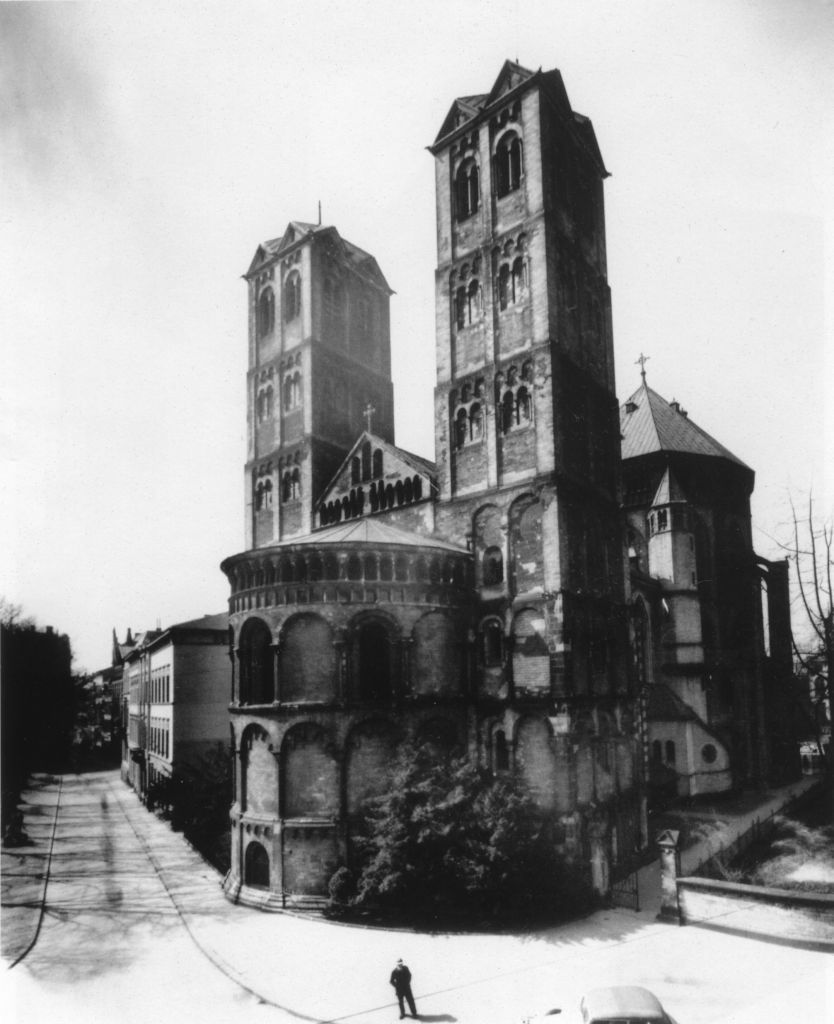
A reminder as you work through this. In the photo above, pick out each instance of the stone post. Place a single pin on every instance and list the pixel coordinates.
(669, 868)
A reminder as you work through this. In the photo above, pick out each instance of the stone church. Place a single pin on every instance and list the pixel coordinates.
(479, 603)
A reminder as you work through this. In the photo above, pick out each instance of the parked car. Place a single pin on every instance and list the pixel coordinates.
(621, 1004)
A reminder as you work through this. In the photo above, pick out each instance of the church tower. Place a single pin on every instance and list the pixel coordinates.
(319, 357)
(527, 438)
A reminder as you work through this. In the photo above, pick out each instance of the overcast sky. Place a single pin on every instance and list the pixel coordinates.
(147, 149)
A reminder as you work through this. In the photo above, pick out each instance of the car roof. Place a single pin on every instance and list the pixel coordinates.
(623, 1001)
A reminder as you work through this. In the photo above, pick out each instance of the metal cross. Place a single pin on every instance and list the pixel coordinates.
(642, 361)
(369, 411)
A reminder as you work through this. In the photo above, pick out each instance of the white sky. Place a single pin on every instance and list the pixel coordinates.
(148, 148)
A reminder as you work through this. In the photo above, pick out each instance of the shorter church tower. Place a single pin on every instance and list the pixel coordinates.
(319, 354)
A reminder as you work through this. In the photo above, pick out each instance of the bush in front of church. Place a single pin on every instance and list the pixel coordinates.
(451, 843)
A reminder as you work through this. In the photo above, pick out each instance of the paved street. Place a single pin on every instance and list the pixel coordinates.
(135, 929)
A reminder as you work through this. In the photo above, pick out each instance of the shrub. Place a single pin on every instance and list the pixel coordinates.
(450, 842)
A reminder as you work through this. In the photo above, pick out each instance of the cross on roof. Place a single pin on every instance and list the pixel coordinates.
(369, 411)
(642, 361)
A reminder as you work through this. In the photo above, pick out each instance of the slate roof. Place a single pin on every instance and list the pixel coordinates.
(297, 230)
(219, 621)
(655, 425)
(367, 530)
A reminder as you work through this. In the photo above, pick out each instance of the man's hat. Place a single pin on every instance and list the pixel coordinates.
(399, 961)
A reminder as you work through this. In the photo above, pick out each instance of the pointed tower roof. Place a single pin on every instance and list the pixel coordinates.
(669, 490)
(298, 231)
(648, 423)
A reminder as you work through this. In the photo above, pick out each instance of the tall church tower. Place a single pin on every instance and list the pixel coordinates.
(527, 432)
(319, 357)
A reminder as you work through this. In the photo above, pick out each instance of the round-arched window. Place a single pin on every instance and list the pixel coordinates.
(709, 753)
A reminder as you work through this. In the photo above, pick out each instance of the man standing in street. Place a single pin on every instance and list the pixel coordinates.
(401, 980)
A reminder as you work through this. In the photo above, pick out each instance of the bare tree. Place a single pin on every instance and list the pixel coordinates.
(12, 617)
(810, 552)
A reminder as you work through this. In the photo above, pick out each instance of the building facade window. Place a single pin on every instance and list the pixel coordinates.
(508, 164)
(467, 189)
(467, 413)
(292, 296)
(265, 315)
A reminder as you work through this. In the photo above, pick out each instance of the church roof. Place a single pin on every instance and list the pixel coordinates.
(368, 530)
(298, 230)
(664, 705)
(648, 423)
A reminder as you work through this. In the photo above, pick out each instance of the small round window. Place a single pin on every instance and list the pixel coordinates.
(709, 753)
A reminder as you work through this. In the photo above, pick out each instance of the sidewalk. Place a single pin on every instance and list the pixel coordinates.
(728, 826)
(312, 969)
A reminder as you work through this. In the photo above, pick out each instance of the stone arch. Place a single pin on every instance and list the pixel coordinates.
(257, 677)
(488, 538)
(531, 658)
(307, 660)
(309, 773)
(369, 757)
(256, 866)
(372, 657)
(436, 662)
(536, 764)
(258, 772)
(526, 544)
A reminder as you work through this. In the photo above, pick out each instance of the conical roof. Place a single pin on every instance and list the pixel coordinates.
(648, 423)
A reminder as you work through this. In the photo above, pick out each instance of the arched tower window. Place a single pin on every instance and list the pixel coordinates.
(467, 190)
(292, 296)
(266, 312)
(508, 164)
(377, 462)
(492, 567)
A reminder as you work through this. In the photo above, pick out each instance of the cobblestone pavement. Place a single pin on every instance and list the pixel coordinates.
(134, 927)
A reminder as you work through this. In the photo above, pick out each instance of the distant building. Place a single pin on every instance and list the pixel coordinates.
(177, 683)
(710, 619)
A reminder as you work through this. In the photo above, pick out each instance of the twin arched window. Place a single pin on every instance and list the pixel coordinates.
(292, 391)
(467, 304)
(467, 189)
(512, 283)
(291, 485)
(508, 164)
(263, 495)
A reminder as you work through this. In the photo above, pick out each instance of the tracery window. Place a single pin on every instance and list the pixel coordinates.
(513, 398)
(467, 413)
(466, 295)
(292, 391)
